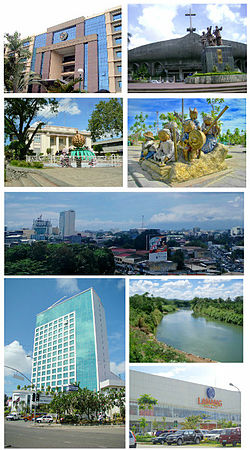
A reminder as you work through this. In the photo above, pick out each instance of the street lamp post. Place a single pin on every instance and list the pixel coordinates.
(16, 370)
(233, 385)
(80, 71)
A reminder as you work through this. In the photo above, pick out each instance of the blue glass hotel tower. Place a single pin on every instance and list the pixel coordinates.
(71, 345)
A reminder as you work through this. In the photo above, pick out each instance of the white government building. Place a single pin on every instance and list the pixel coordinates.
(55, 138)
(178, 399)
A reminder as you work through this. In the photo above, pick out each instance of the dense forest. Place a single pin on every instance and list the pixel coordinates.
(146, 312)
(42, 258)
(230, 311)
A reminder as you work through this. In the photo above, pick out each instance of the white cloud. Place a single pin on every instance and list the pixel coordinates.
(200, 212)
(66, 105)
(219, 13)
(184, 290)
(117, 369)
(68, 286)
(155, 22)
(15, 356)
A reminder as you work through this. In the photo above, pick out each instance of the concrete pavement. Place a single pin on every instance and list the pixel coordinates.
(19, 434)
(69, 176)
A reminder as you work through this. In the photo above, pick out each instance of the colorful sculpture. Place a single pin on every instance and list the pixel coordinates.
(165, 152)
(148, 147)
(211, 132)
(188, 126)
(78, 140)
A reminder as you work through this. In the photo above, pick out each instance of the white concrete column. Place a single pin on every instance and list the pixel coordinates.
(57, 143)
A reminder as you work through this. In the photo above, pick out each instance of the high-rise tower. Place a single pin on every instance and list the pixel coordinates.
(71, 345)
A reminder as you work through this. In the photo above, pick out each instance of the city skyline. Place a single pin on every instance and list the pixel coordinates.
(110, 210)
(159, 22)
(234, 117)
(19, 334)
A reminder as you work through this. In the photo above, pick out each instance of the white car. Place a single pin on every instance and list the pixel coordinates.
(213, 435)
(44, 419)
(13, 416)
(132, 440)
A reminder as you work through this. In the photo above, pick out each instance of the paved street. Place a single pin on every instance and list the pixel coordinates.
(19, 434)
(234, 176)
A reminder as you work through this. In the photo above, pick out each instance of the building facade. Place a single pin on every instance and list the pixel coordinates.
(67, 223)
(178, 399)
(42, 228)
(87, 47)
(71, 345)
(178, 58)
(55, 138)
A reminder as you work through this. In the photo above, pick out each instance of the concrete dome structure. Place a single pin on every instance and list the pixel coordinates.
(178, 57)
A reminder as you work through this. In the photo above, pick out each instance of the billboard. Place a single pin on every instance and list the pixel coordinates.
(157, 244)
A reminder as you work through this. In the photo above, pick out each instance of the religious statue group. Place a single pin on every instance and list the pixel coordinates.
(211, 39)
(185, 146)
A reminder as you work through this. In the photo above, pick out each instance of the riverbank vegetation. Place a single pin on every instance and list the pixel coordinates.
(146, 313)
(229, 311)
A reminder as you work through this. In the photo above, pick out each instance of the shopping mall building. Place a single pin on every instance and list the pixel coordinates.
(87, 47)
(178, 399)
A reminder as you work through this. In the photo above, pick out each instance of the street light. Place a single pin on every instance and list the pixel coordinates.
(80, 71)
(231, 384)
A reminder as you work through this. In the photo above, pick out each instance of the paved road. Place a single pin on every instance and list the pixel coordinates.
(234, 176)
(19, 434)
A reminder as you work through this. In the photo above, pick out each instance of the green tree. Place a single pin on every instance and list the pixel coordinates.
(146, 401)
(19, 113)
(143, 424)
(192, 422)
(16, 78)
(139, 126)
(107, 119)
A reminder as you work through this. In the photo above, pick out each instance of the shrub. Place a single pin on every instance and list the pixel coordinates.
(37, 165)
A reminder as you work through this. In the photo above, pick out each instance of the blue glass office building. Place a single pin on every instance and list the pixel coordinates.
(86, 48)
(71, 345)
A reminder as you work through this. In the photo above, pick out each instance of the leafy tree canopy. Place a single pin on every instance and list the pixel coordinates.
(107, 119)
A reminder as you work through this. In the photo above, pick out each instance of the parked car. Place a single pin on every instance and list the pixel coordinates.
(213, 435)
(230, 436)
(13, 416)
(162, 437)
(184, 437)
(132, 440)
(45, 419)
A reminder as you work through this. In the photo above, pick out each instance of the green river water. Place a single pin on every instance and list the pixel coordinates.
(202, 336)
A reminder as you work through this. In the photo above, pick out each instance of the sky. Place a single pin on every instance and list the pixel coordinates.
(26, 297)
(72, 112)
(208, 374)
(29, 19)
(149, 22)
(186, 289)
(116, 210)
(234, 117)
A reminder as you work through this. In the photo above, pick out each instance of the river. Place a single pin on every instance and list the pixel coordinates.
(202, 336)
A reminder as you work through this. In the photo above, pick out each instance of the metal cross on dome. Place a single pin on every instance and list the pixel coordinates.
(190, 15)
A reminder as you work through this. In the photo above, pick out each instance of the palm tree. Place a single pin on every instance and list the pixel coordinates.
(16, 78)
